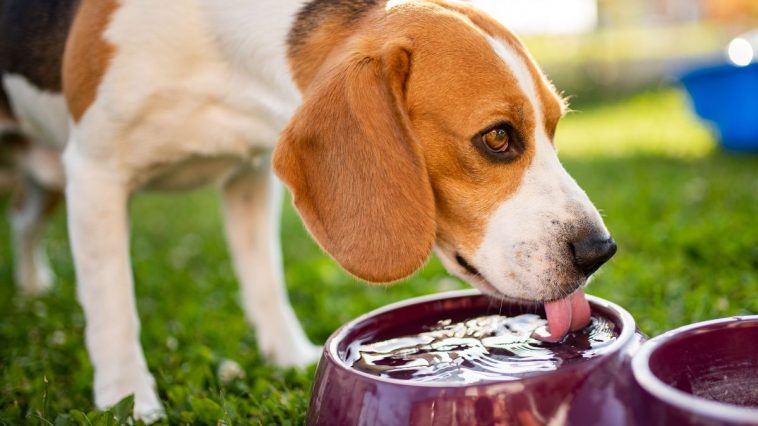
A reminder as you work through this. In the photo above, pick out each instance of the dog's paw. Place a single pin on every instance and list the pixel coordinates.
(285, 344)
(149, 410)
(304, 355)
(147, 405)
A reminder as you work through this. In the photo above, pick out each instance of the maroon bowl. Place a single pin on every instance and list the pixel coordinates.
(592, 391)
(701, 374)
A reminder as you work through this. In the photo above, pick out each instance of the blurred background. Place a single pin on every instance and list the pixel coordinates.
(600, 49)
(681, 205)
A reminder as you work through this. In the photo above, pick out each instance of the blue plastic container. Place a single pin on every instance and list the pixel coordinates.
(727, 96)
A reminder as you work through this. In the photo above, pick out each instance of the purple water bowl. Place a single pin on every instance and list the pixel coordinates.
(594, 391)
(701, 374)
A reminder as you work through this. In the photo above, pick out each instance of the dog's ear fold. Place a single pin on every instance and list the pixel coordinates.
(356, 173)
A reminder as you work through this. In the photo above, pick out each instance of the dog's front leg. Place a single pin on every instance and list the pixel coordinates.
(98, 226)
(252, 203)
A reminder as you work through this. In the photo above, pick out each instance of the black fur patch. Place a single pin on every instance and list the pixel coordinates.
(32, 38)
(316, 11)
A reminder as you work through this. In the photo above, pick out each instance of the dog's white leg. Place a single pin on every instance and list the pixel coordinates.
(29, 211)
(252, 204)
(98, 226)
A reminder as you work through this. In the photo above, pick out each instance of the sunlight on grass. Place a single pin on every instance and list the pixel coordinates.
(658, 123)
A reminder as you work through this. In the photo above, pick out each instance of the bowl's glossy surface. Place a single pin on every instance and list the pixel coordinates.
(701, 374)
(596, 391)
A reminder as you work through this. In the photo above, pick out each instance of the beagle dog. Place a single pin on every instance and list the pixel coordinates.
(399, 127)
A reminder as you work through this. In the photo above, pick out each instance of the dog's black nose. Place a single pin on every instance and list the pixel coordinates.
(590, 252)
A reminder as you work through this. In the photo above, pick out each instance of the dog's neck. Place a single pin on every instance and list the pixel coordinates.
(302, 33)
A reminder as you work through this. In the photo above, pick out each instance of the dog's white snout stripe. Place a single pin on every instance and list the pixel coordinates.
(521, 253)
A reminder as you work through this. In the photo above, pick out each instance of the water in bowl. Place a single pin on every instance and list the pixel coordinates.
(485, 348)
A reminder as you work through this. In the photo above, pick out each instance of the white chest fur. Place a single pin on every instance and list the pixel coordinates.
(191, 79)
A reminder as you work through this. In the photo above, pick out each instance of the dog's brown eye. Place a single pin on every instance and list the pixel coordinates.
(497, 139)
(500, 142)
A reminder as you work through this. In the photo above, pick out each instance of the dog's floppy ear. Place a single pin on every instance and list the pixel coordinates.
(356, 172)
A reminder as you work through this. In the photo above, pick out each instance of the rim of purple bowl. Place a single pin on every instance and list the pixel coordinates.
(628, 329)
(680, 399)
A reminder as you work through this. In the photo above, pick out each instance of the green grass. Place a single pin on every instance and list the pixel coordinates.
(682, 212)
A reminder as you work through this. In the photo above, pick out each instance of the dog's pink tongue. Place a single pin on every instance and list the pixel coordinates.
(580, 311)
(571, 313)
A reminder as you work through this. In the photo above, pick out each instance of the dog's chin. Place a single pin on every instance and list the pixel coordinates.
(554, 289)
(543, 295)
(555, 286)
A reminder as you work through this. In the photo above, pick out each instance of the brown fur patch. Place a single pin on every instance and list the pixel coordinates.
(319, 27)
(552, 105)
(335, 150)
(315, 12)
(309, 61)
(356, 172)
(87, 55)
(458, 88)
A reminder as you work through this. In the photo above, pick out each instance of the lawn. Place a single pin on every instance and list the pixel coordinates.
(682, 212)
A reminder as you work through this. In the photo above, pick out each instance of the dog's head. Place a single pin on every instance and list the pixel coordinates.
(431, 126)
